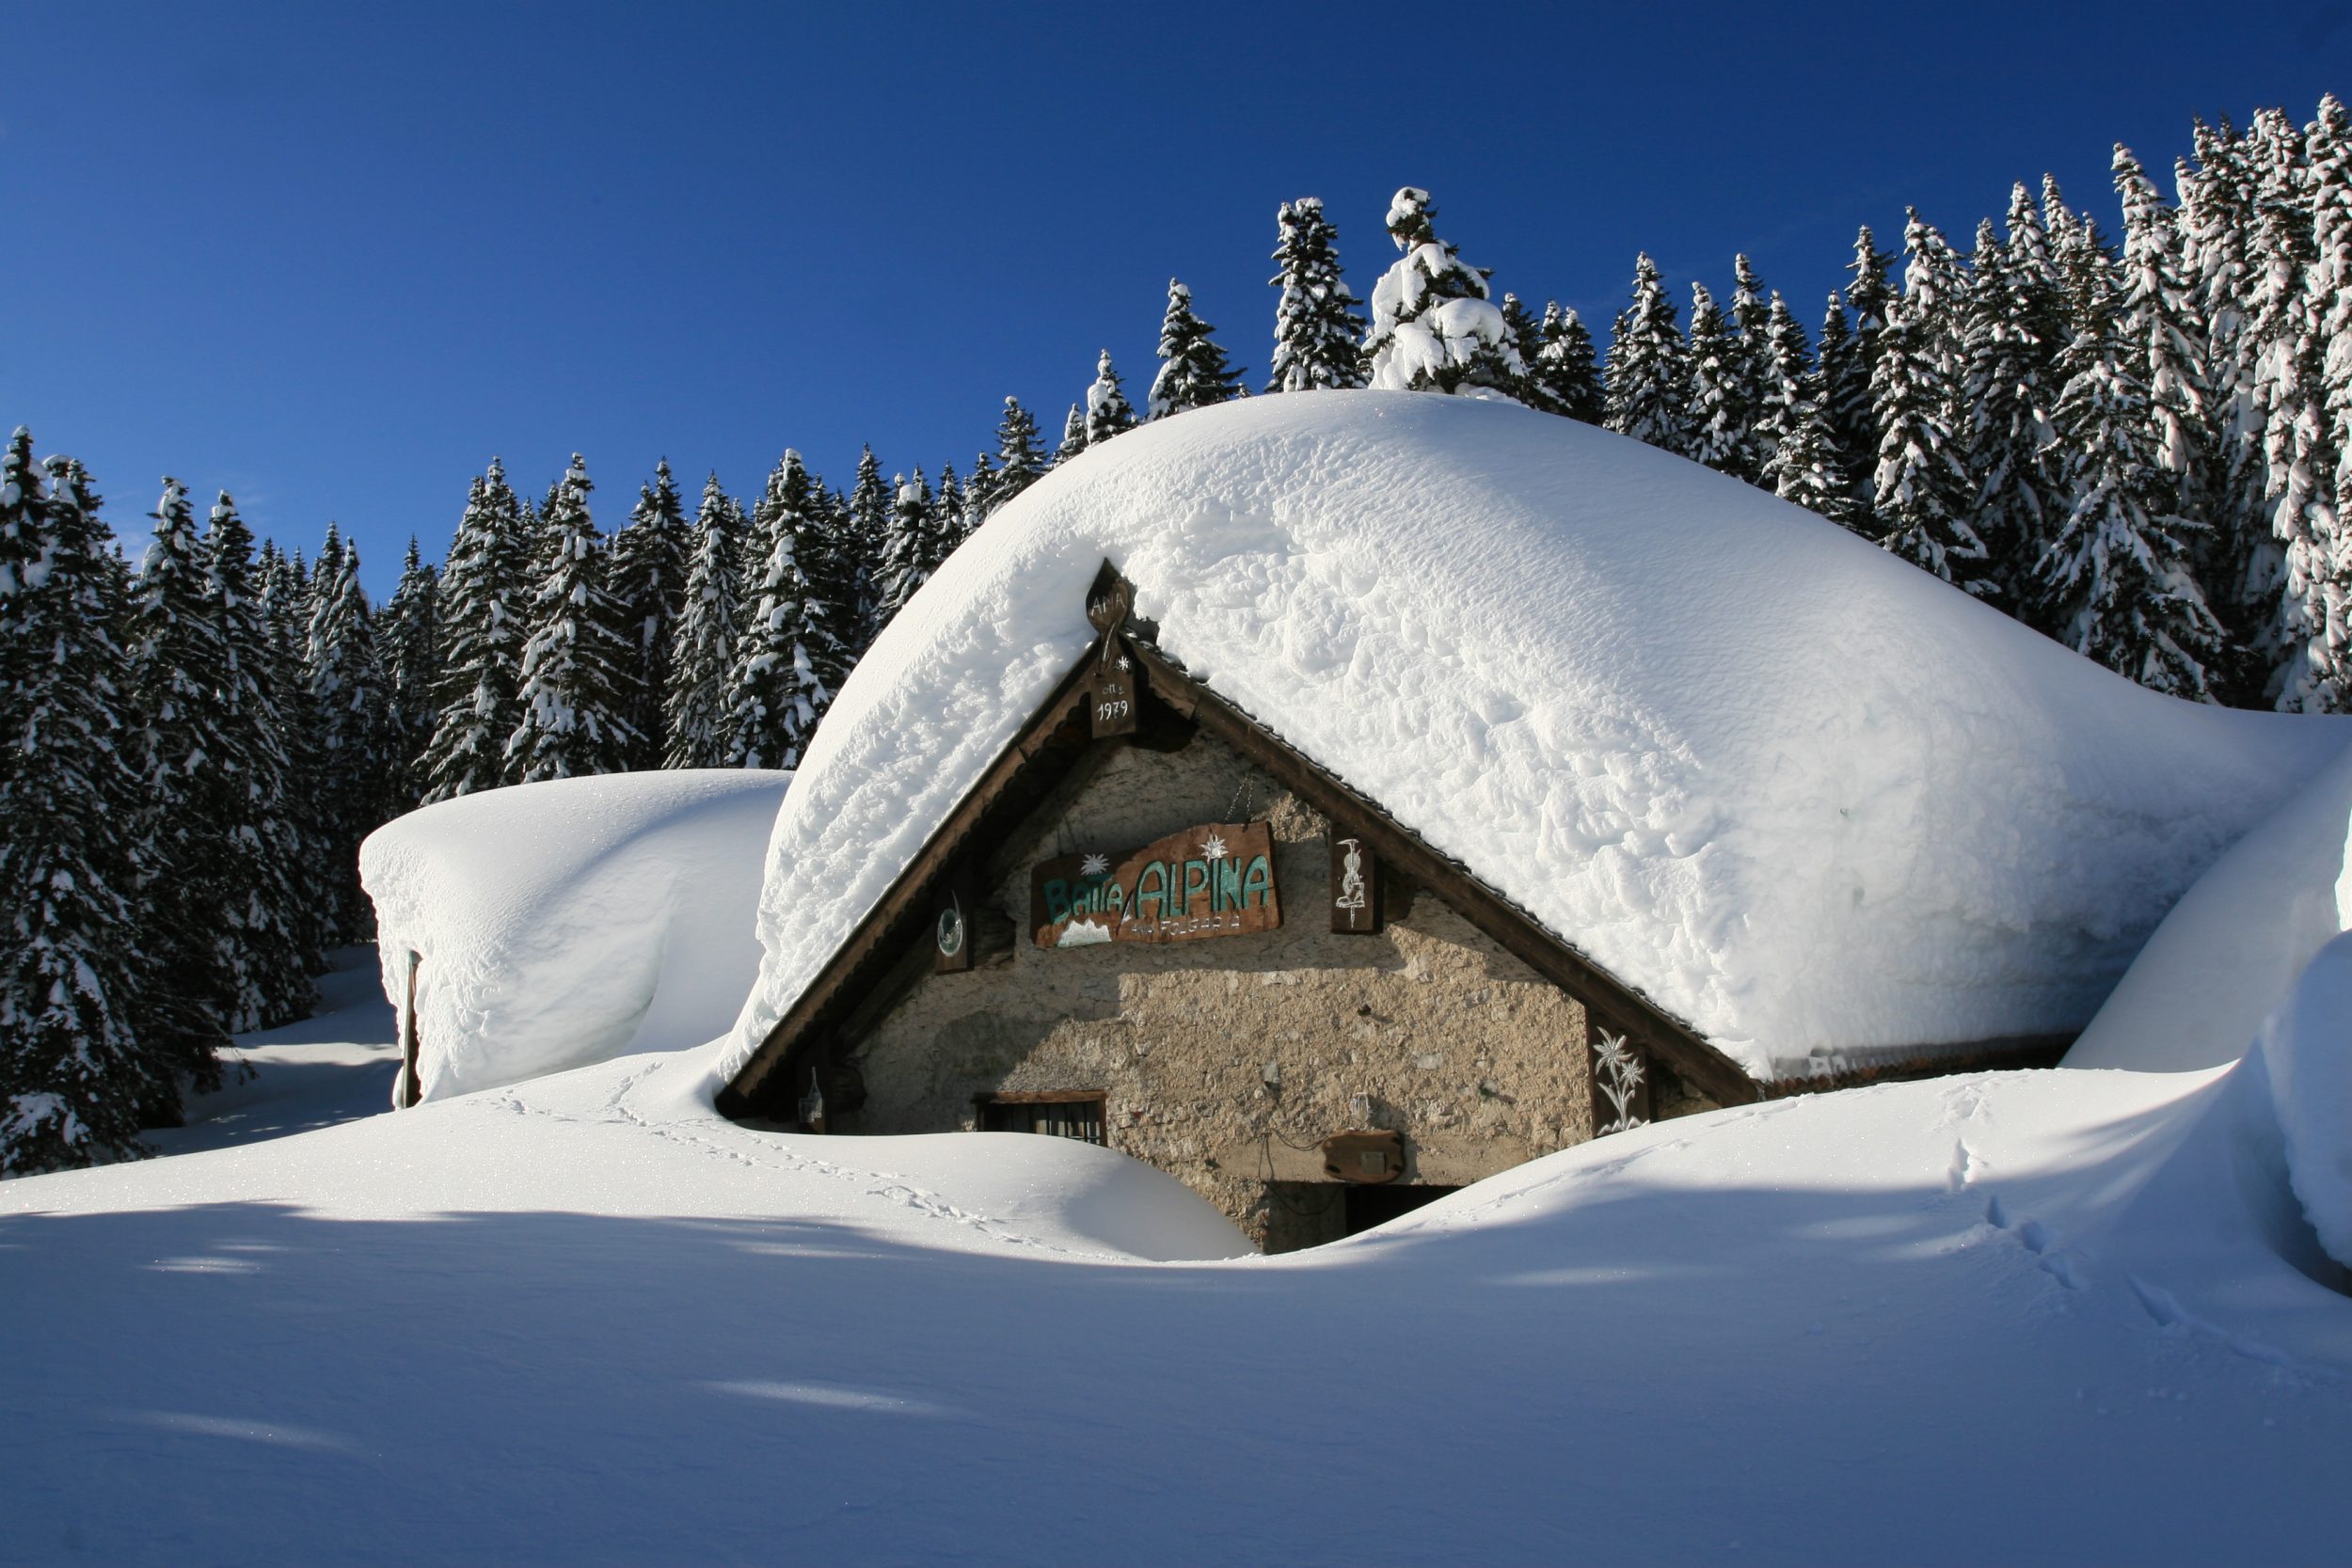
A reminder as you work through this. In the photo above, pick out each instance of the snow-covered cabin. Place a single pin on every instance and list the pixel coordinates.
(1336, 799)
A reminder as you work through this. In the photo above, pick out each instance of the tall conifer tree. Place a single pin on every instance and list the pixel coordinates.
(1434, 328)
(1107, 411)
(75, 1082)
(349, 704)
(1193, 372)
(702, 645)
(1921, 492)
(410, 644)
(1317, 328)
(785, 650)
(649, 582)
(1648, 372)
(577, 686)
(485, 618)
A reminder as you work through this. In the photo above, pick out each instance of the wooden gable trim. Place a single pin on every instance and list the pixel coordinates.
(1057, 732)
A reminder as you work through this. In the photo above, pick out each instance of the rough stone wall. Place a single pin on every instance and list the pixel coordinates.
(1429, 1028)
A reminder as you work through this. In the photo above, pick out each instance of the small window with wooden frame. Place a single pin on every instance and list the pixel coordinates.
(1057, 1113)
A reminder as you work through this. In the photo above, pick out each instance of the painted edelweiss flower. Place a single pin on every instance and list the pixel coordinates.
(1212, 847)
(1095, 866)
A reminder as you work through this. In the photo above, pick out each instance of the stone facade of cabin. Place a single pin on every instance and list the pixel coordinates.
(1225, 1062)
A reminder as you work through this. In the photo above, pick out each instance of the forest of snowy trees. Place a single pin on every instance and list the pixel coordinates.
(2134, 443)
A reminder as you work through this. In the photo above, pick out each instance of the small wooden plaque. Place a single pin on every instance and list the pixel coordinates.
(1366, 1158)
(1111, 702)
(1355, 886)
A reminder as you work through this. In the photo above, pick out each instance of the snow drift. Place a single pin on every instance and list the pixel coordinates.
(563, 923)
(2230, 950)
(1806, 797)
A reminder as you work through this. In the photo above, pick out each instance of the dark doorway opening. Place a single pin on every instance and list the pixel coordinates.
(1371, 1206)
(1301, 1214)
(1076, 1115)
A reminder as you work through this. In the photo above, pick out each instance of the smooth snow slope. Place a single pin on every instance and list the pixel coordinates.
(568, 922)
(2232, 946)
(2023, 1317)
(1802, 795)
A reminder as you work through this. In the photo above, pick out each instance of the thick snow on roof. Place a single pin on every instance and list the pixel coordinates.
(565, 922)
(1803, 796)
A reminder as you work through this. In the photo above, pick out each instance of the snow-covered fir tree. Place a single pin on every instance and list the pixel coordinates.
(783, 654)
(1921, 494)
(1020, 460)
(264, 932)
(980, 492)
(649, 581)
(1720, 420)
(349, 704)
(1108, 410)
(1318, 332)
(577, 681)
(1750, 314)
(702, 641)
(2158, 316)
(1073, 435)
(175, 650)
(1852, 370)
(409, 640)
(869, 536)
(2244, 567)
(909, 553)
(1434, 328)
(2118, 584)
(2004, 395)
(485, 616)
(951, 519)
(2292, 196)
(75, 1080)
(1565, 378)
(1526, 331)
(284, 605)
(1193, 372)
(1783, 389)
(1648, 370)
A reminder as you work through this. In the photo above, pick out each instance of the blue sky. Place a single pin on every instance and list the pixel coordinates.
(334, 257)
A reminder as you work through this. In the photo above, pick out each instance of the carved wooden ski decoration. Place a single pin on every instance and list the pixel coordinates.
(1621, 1100)
(1355, 887)
(1216, 881)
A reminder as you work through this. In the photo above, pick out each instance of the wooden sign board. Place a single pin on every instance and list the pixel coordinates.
(1367, 1158)
(1111, 708)
(1355, 887)
(1621, 1075)
(1214, 880)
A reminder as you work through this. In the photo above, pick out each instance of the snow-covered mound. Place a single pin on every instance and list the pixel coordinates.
(2230, 949)
(2025, 1317)
(1802, 795)
(563, 923)
(2306, 1061)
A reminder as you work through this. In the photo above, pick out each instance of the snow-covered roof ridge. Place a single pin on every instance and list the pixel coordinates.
(1796, 791)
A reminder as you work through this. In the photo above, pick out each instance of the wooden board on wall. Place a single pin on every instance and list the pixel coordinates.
(1214, 881)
